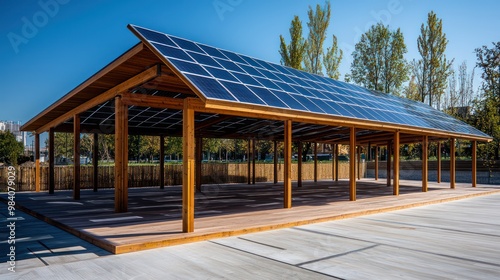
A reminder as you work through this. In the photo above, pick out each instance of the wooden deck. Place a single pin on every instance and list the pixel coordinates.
(154, 217)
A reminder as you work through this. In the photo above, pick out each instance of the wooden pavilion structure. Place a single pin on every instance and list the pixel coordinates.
(143, 92)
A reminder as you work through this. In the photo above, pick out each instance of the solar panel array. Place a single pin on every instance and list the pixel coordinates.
(224, 75)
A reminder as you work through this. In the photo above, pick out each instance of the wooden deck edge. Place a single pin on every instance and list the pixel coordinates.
(193, 237)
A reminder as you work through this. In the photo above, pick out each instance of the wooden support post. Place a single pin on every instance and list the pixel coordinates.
(52, 183)
(199, 159)
(287, 151)
(76, 157)
(336, 162)
(439, 162)
(395, 189)
(249, 154)
(37, 162)
(452, 163)
(95, 161)
(425, 162)
(121, 156)
(352, 164)
(253, 161)
(188, 166)
(474, 164)
(162, 161)
(275, 158)
(389, 149)
(377, 150)
(333, 162)
(299, 164)
(359, 162)
(315, 162)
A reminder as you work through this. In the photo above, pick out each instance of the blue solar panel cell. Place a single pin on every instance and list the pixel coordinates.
(212, 51)
(204, 59)
(155, 36)
(210, 87)
(172, 52)
(242, 93)
(268, 97)
(246, 79)
(233, 57)
(189, 67)
(250, 70)
(268, 83)
(187, 45)
(289, 100)
(221, 74)
(229, 65)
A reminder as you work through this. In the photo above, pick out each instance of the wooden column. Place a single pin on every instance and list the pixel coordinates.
(37, 162)
(287, 151)
(162, 161)
(199, 159)
(395, 188)
(253, 161)
(439, 162)
(299, 165)
(76, 157)
(52, 183)
(352, 164)
(376, 162)
(315, 162)
(275, 173)
(333, 162)
(336, 162)
(389, 149)
(188, 165)
(121, 156)
(425, 162)
(249, 147)
(474, 164)
(452, 163)
(358, 156)
(95, 161)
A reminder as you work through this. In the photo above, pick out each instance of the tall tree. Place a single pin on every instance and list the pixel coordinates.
(378, 60)
(434, 67)
(332, 59)
(292, 54)
(319, 19)
(10, 148)
(460, 93)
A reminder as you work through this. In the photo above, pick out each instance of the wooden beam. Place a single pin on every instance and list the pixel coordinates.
(389, 151)
(76, 157)
(37, 162)
(138, 79)
(452, 163)
(199, 160)
(162, 161)
(253, 161)
(425, 162)
(188, 148)
(275, 158)
(51, 161)
(377, 154)
(474, 164)
(438, 162)
(287, 193)
(121, 156)
(336, 162)
(395, 187)
(145, 100)
(352, 164)
(95, 161)
(315, 162)
(299, 164)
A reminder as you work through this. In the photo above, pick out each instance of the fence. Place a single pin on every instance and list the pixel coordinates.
(149, 175)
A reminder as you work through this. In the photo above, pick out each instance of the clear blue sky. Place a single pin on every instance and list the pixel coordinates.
(74, 39)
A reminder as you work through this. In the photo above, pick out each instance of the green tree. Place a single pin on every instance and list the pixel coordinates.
(292, 54)
(173, 146)
(378, 60)
(332, 59)
(433, 67)
(10, 148)
(319, 19)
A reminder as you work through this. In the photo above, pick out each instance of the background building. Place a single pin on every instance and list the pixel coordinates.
(14, 127)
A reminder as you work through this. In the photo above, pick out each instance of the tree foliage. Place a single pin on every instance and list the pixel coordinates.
(10, 148)
(319, 19)
(378, 60)
(432, 69)
(292, 54)
(332, 59)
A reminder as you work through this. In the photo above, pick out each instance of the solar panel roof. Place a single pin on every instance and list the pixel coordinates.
(224, 75)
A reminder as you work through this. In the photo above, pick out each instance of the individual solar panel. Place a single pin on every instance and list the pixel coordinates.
(269, 84)
(210, 87)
